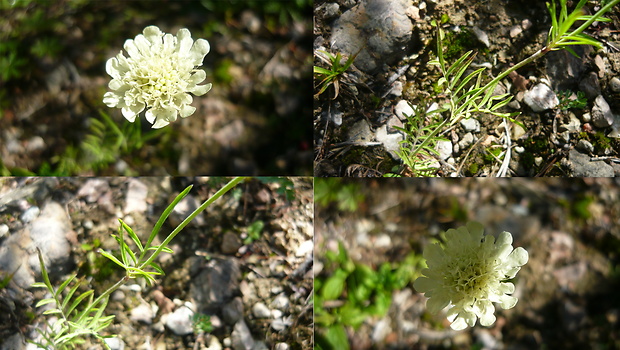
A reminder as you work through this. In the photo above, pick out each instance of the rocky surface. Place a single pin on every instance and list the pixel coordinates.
(255, 295)
(384, 82)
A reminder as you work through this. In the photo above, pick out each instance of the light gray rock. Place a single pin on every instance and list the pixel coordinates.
(602, 116)
(379, 28)
(360, 131)
(30, 214)
(49, 232)
(180, 321)
(4, 230)
(135, 201)
(482, 36)
(241, 337)
(466, 141)
(115, 343)
(403, 109)
(260, 310)
(585, 146)
(282, 346)
(470, 124)
(540, 98)
(393, 122)
(142, 313)
(281, 302)
(92, 189)
(444, 147)
(614, 84)
(14, 342)
(583, 167)
(391, 142)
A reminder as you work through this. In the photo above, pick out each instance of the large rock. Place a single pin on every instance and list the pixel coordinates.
(602, 116)
(379, 28)
(541, 98)
(214, 284)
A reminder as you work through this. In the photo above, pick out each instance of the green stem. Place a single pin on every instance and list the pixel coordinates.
(191, 217)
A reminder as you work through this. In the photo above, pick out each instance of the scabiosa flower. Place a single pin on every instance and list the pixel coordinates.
(469, 274)
(158, 75)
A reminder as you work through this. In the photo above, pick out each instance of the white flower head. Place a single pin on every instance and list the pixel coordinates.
(469, 274)
(158, 75)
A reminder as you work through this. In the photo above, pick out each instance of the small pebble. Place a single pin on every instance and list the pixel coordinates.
(260, 310)
(614, 84)
(4, 229)
(30, 214)
(403, 109)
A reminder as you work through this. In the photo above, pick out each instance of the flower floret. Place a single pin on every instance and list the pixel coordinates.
(158, 76)
(469, 273)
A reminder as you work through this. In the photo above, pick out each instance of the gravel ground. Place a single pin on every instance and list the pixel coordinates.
(255, 284)
(355, 132)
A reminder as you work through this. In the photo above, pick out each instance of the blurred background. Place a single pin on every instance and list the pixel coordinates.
(255, 121)
(370, 235)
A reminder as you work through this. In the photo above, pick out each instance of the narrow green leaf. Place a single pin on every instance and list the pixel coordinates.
(46, 278)
(164, 216)
(70, 295)
(38, 285)
(78, 300)
(52, 312)
(64, 285)
(321, 70)
(164, 249)
(157, 268)
(467, 79)
(458, 64)
(113, 258)
(45, 302)
(132, 235)
(459, 73)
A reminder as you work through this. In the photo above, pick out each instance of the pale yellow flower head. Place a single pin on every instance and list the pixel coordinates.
(158, 76)
(470, 273)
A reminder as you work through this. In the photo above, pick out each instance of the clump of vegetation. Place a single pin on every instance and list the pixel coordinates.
(353, 292)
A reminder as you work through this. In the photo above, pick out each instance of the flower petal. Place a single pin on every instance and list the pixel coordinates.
(153, 34)
(185, 41)
(200, 90)
(436, 304)
(198, 52)
(186, 111)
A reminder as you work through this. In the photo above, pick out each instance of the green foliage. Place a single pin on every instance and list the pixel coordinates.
(287, 187)
(201, 323)
(81, 314)
(254, 231)
(347, 196)
(334, 74)
(567, 103)
(275, 13)
(354, 292)
(417, 149)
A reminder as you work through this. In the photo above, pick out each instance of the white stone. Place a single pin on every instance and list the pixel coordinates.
(305, 248)
(614, 84)
(260, 310)
(470, 124)
(180, 321)
(444, 147)
(402, 109)
(142, 313)
(391, 142)
(541, 98)
(115, 343)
